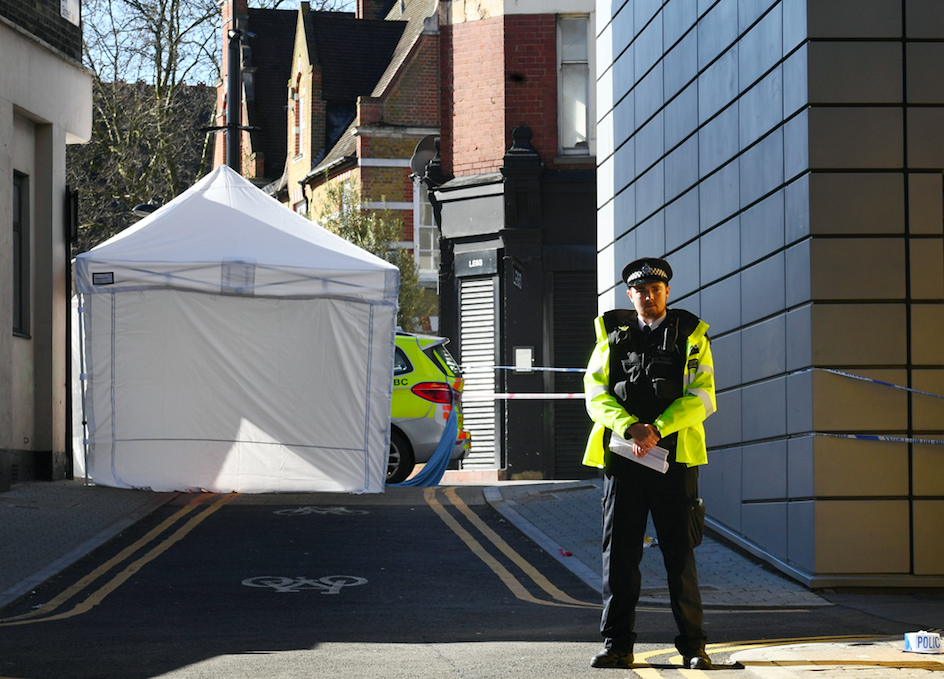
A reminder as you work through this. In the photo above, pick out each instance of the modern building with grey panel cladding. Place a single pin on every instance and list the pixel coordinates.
(786, 158)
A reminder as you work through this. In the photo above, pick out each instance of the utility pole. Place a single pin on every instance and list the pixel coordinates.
(234, 104)
(234, 89)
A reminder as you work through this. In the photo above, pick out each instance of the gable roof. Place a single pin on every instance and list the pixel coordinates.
(414, 14)
(271, 58)
(352, 53)
(344, 149)
(412, 21)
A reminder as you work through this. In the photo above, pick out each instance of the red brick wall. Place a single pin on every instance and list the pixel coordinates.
(314, 133)
(445, 97)
(390, 184)
(369, 9)
(369, 110)
(473, 94)
(414, 97)
(531, 83)
(411, 100)
(497, 74)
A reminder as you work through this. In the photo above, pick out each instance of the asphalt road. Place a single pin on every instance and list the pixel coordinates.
(405, 584)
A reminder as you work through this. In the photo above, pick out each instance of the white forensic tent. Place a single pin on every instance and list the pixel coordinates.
(233, 345)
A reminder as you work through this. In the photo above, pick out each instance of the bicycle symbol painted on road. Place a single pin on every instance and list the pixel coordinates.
(323, 511)
(330, 584)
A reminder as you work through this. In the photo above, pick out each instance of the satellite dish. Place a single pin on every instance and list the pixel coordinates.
(424, 152)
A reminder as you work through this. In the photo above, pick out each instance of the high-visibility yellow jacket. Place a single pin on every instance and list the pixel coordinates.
(684, 415)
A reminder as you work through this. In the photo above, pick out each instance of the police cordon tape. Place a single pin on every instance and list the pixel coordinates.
(869, 379)
(878, 437)
(887, 439)
(487, 396)
(535, 369)
(487, 368)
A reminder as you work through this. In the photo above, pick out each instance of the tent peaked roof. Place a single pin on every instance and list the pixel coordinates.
(224, 227)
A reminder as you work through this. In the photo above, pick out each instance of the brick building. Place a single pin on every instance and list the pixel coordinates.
(518, 222)
(354, 94)
(40, 42)
(515, 267)
(266, 64)
(368, 108)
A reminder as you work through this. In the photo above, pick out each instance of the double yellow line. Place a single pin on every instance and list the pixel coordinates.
(510, 581)
(44, 612)
(562, 599)
(674, 658)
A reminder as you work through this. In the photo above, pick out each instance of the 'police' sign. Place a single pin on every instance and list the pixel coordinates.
(923, 642)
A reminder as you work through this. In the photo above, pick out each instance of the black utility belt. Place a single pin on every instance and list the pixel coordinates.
(670, 443)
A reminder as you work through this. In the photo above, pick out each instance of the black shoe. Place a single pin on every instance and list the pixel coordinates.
(611, 657)
(697, 662)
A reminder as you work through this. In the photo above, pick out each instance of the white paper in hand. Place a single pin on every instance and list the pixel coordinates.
(655, 458)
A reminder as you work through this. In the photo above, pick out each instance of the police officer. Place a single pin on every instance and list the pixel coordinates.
(650, 381)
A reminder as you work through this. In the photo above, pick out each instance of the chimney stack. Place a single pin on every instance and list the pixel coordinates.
(371, 9)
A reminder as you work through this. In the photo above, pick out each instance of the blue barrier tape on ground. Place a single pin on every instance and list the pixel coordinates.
(433, 472)
(888, 439)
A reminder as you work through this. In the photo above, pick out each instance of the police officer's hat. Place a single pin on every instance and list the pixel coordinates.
(647, 270)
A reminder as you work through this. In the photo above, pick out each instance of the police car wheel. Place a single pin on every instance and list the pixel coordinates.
(401, 461)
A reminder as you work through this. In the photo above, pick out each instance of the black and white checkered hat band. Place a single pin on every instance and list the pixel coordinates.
(647, 272)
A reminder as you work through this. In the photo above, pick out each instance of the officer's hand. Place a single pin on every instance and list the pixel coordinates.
(643, 436)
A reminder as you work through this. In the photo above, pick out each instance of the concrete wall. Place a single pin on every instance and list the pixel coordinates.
(36, 122)
(786, 157)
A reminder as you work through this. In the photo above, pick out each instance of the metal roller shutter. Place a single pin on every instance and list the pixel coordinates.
(478, 333)
(574, 310)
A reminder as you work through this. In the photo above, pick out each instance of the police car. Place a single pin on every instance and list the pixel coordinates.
(427, 385)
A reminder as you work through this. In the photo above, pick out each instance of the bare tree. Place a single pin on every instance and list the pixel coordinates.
(132, 158)
(154, 65)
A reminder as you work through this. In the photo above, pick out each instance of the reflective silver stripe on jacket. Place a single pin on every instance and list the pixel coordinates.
(596, 366)
(705, 400)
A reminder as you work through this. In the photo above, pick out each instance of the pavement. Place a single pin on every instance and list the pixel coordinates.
(47, 526)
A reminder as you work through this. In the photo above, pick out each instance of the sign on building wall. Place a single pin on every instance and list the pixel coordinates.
(69, 9)
(476, 263)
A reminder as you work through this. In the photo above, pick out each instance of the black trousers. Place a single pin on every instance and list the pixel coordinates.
(630, 492)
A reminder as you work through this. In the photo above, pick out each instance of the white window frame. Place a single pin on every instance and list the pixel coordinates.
(587, 150)
(426, 275)
(298, 119)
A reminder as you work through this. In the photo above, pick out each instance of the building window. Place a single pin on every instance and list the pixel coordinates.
(426, 236)
(297, 121)
(574, 84)
(21, 255)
